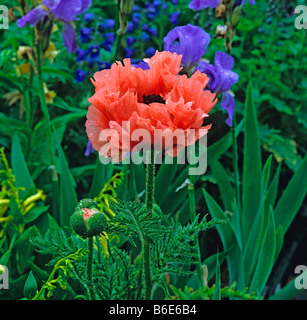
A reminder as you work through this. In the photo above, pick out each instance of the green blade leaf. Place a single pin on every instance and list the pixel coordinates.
(251, 166)
(20, 169)
(292, 197)
(223, 183)
(266, 258)
(68, 196)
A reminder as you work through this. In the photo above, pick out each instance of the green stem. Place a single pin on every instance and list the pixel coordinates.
(150, 180)
(43, 102)
(89, 268)
(118, 37)
(192, 209)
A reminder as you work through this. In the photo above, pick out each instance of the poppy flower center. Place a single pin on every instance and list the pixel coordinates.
(153, 98)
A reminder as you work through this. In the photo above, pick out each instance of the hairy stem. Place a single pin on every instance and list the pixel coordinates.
(150, 179)
(89, 268)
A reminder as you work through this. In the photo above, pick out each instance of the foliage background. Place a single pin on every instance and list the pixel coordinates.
(268, 51)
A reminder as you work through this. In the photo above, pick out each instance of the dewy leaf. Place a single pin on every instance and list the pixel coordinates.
(251, 166)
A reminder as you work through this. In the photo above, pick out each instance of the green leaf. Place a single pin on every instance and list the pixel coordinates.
(216, 212)
(34, 213)
(68, 196)
(292, 197)
(20, 168)
(266, 258)
(251, 166)
(225, 188)
(272, 190)
(289, 291)
(30, 287)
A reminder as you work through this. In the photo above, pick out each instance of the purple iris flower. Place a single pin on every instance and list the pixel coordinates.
(221, 80)
(250, 1)
(189, 41)
(202, 4)
(63, 10)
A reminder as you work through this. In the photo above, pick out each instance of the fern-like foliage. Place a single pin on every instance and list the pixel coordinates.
(207, 293)
(172, 246)
(132, 220)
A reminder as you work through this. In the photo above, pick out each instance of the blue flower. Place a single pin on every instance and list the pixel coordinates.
(103, 65)
(81, 54)
(152, 31)
(221, 80)
(174, 18)
(80, 75)
(150, 52)
(129, 52)
(88, 17)
(189, 41)
(85, 35)
(65, 11)
(130, 41)
(144, 37)
(94, 51)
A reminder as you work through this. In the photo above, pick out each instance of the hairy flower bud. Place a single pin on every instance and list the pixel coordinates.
(87, 220)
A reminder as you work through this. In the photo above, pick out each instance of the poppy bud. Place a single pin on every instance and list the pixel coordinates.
(87, 220)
